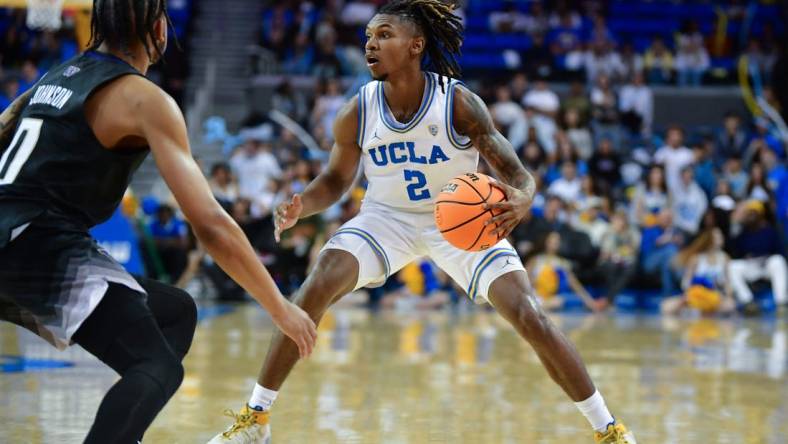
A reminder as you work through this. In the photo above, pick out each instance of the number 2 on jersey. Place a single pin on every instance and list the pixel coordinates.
(20, 149)
(418, 181)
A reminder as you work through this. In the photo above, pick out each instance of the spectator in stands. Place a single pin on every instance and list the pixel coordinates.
(327, 105)
(553, 275)
(568, 186)
(544, 105)
(518, 86)
(508, 19)
(600, 32)
(604, 110)
(564, 17)
(289, 102)
(658, 247)
(536, 22)
(731, 140)
(577, 100)
(538, 58)
(658, 62)
(692, 59)
(705, 171)
(705, 283)
(762, 139)
(736, 177)
(601, 59)
(689, 203)
(604, 166)
(325, 59)
(275, 30)
(674, 156)
(589, 217)
(566, 152)
(579, 136)
(257, 170)
(300, 176)
(757, 186)
(636, 102)
(763, 61)
(12, 47)
(618, 255)
(633, 62)
(530, 233)
(171, 237)
(358, 13)
(758, 253)
(30, 76)
(534, 158)
(223, 185)
(509, 116)
(9, 93)
(650, 198)
(565, 33)
(776, 171)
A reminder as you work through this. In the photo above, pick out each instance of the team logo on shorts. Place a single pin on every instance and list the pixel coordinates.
(433, 130)
(70, 71)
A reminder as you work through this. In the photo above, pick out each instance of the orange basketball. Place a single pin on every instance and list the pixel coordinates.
(460, 213)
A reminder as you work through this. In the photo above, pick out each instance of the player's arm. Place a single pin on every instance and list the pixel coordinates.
(161, 124)
(10, 117)
(329, 186)
(472, 119)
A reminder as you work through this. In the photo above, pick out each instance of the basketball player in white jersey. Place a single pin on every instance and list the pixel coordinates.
(414, 130)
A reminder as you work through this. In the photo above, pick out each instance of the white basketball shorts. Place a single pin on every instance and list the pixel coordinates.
(384, 240)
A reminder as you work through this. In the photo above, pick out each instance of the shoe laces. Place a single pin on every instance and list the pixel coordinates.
(613, 435)
(242, 421)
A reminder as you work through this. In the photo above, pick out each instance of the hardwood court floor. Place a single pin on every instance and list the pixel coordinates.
(433, 378)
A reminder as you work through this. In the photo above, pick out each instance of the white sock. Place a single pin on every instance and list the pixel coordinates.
(595, 411)
(262, 399)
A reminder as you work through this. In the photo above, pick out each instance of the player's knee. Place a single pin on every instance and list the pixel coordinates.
(335, 273)
(187, 319)
(169, 373)
(532, 321)
(158, 376)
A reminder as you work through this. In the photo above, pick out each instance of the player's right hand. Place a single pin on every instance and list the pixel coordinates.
(286, 215)
(298, 326)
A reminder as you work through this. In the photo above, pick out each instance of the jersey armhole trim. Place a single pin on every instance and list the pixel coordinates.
(97, 87)
(362, 118)
(454, 137)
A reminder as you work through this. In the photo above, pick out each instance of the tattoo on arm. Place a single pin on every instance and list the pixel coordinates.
(9, 119)
(472, 119)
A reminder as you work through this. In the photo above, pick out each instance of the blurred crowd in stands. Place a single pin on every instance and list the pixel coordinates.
(629, 214)
(26, 54)
(679, 42)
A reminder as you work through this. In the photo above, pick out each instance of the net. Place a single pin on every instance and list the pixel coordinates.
(44, 14)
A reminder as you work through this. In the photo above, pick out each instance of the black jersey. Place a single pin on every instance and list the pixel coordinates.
(55, 169)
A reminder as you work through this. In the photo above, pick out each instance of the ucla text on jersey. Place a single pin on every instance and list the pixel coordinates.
(407, 164)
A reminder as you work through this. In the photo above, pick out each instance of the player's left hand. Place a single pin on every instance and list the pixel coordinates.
(512, 210)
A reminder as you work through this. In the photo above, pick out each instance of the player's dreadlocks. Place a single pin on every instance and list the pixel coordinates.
(120, 22)
(441, 28)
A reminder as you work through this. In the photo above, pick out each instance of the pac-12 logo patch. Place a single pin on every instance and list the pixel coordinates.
(433, 130)
(70, 71)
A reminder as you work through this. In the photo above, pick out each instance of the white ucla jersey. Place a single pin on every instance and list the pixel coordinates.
(407, 164)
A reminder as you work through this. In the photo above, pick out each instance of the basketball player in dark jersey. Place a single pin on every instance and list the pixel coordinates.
(68, 150)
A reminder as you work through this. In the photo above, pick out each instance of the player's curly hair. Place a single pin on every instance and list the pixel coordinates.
(442, 29)
(120, 23)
